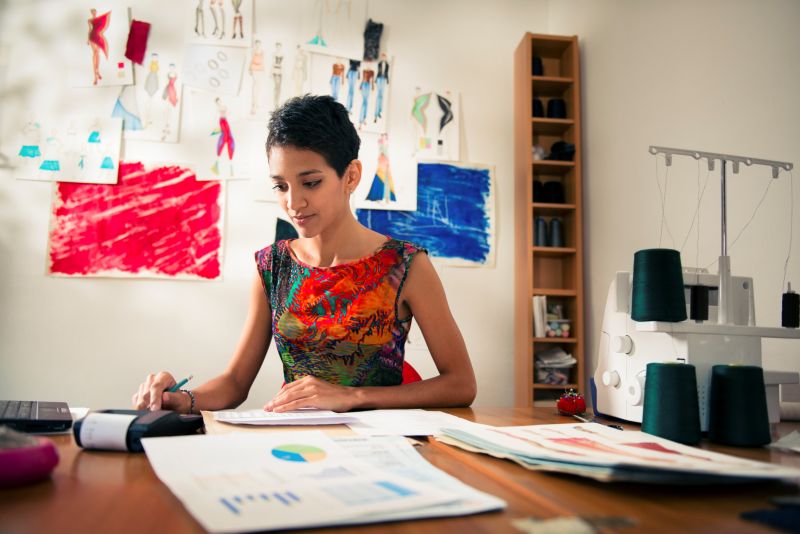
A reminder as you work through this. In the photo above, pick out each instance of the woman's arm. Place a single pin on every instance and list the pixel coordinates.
(424, 296)
(230, 388)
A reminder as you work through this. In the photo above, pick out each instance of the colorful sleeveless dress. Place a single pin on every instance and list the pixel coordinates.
(339, 323)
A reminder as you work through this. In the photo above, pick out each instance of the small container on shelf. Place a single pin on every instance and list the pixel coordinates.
(558, 328)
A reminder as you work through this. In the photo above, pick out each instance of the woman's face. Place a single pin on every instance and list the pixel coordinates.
(309, 190)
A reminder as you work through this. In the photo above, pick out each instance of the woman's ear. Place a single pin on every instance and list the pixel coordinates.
(352, 176)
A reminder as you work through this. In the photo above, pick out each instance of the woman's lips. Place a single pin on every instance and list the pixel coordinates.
(302, 221)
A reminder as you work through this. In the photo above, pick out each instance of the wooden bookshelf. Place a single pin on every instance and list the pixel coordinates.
(556, 272)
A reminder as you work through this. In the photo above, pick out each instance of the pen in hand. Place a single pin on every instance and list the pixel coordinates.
(180, 384)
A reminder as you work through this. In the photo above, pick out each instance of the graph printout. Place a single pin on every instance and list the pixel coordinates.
(280, 480)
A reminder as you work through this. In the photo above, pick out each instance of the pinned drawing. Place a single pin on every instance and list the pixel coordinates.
(455, 217)
(277, 75)
(337, 79)
(360, 86)
(389, 175)
(199, 19)
(237, 18)
(220, 22)
(381, 82)
(300, 70)
(106, 37)
(353, 75)
(81, 150)
(225, 141)
(97, 40)
(151, 110)
(215, 69)
(151, 86)
(382, 189)
(136, 228)
(256, 70)
(436, 124)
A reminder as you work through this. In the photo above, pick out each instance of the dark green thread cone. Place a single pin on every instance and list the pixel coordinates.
(738, 406)
(670, 402)
(657, 293)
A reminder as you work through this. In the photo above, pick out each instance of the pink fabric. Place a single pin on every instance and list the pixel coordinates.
(137, 41)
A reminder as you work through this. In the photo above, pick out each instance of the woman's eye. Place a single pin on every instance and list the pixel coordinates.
(312, 185)
(279, 187)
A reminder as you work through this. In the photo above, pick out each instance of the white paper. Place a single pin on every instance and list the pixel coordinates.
(69, 149)
(217, 69)
(297, 417)
(405, 422)
(106, 431)
(266, 481)
(396, 455)
(788, 443)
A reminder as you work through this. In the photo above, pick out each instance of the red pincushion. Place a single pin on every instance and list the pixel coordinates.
(571, 403)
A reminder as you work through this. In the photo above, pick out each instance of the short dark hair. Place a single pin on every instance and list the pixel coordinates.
(317, 123)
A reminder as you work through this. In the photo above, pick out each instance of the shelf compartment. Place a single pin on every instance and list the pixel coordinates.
(550, 86)
(554, 127)
(546, 166)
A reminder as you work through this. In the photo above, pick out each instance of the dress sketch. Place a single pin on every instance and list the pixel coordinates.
(97, 40)
(237, 18)
(381, 81)
(225, 139)
(300, 71)
(199, 20)
(256, 70)
(218, 14)
(151, 85)
(352, 80)
(337, 78)
(367, 84)
(277, 75)
(382, 188)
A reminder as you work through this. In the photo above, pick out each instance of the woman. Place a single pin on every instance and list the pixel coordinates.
(339, 299)
(97, 40)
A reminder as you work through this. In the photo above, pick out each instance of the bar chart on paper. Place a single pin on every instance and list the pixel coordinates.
(236, 504)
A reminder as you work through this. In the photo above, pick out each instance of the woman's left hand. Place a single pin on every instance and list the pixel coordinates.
(312, 392)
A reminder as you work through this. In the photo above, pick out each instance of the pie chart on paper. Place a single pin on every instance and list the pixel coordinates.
(298, 453)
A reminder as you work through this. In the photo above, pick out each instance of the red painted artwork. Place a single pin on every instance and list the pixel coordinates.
(155, 222)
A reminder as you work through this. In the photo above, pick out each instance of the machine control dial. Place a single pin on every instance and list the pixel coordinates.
(611, 379)
(634, 390)
(622, 344)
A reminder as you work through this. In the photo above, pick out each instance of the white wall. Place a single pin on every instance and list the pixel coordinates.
(718, 75)
(721, 76)
(91, 341)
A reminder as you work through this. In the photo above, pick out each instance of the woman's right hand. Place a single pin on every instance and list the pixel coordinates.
(153, 395)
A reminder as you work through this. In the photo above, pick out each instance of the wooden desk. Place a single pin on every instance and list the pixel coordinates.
(93, 491)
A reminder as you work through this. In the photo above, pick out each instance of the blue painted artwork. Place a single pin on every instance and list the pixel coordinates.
(454, 217)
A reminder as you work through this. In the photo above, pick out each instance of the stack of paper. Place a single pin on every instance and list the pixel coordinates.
(404, 422)
(277, 480)
(603, 453)
(297, 417)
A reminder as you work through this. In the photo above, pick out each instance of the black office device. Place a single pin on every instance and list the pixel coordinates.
(146, 424)
(35, 416)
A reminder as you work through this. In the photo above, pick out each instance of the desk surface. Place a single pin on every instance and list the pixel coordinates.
(93, 491)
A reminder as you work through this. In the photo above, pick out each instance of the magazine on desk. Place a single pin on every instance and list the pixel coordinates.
(606, 454)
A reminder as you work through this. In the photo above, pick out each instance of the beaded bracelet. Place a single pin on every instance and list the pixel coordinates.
(191, 396)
